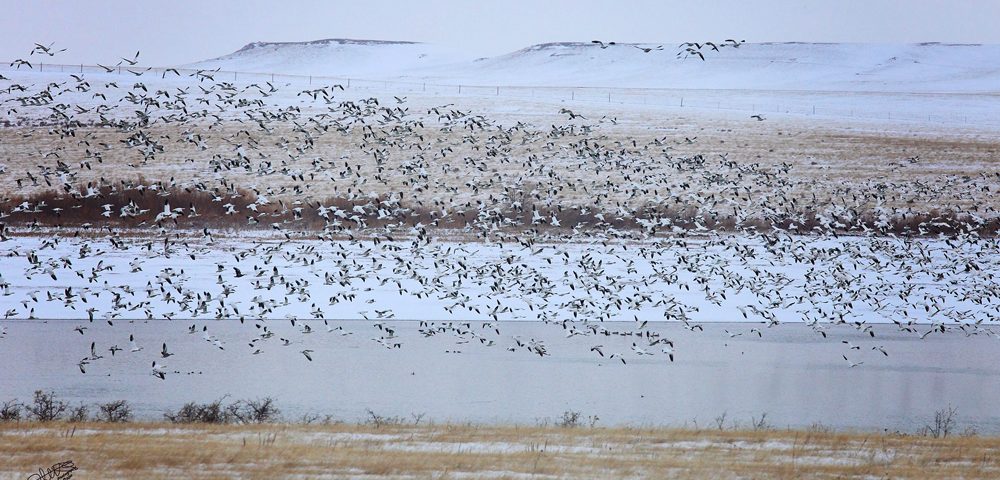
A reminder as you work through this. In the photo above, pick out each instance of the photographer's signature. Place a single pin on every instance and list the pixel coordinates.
(59, 471)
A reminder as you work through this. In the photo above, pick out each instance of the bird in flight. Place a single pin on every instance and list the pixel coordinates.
(132, 61)
(649, 49)
(46, 50)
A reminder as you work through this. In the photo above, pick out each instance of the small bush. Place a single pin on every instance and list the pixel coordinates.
(262, 410)
(943, 424)
(379, 421)
(720, 421)
(114, 412)
(10, 411)
(311, 418)
(191, 412)
(970, 431)
(79, 413)
(820, 428)
(569, 419)
(45, 407)
(760, 423)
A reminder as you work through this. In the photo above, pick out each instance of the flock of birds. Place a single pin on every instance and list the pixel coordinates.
(362, 208)
(690, 49)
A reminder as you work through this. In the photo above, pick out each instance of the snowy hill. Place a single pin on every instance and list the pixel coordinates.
(333, 57)
(925, 67)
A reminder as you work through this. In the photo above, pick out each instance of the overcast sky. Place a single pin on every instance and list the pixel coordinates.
(171, 32)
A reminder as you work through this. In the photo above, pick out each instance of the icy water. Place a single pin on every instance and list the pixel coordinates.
(790, 372)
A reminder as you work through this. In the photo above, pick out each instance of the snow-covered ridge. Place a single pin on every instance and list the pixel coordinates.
(334, 57)
(921, 67)
(326, 41)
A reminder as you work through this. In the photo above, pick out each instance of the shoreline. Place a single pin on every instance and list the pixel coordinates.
(164, 450)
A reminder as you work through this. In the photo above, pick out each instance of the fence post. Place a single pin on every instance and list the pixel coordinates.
(572, 94)
(498, 91)
(310, 80)
(234, 76)
(682, 101)
(81, 68)
(609, 97)
(272, 78)
(424, 86)
(814, 109)
(41, 66)
(459, 89)
(348, 83)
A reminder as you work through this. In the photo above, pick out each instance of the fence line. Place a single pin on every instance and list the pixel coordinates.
(662, 97)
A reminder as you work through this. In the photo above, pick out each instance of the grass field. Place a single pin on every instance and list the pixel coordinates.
(150, 450)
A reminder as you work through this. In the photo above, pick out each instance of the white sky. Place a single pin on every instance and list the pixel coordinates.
(170, 32)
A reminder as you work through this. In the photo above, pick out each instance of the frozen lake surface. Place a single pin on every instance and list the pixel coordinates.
(792, 374)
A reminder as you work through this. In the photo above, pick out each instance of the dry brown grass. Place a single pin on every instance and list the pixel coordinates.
(453, 451)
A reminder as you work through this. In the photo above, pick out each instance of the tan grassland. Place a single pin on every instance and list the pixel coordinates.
(153, 451)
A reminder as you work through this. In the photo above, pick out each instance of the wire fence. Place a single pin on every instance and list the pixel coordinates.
(982, 113)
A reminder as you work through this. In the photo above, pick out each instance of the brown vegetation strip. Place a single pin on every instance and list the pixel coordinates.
(143, 450)
(207, 208)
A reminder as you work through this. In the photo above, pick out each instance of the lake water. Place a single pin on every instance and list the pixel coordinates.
(790, 372)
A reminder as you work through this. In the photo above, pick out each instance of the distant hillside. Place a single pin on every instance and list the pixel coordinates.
(335, 56)
(925, 67)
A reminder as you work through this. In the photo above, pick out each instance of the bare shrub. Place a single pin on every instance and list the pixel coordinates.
(817, 427)
(720, 421)
(379, 421)
(311, 418)
(417, 417)
(10, 411)
(114, 412)
(261, 410)
(944, 422)
(760, 423)
(569, 419)
(79, 413)
(970, 431)
(191, 412)
(45, 407)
